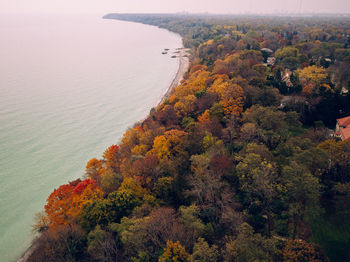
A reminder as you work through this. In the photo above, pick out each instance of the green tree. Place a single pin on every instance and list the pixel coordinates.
(102, 246)
(111, 181)
(258, 178)
(302, 193)
(271, 125)
(288, 51)
(202, 252)
(150, 234)
(163, 188)
(189, 217)
(110, 210)
(248, 246)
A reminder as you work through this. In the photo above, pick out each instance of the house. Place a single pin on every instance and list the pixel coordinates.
(342, 129)
(271, 61)
(344, 90)
(286, 77)
(267, 50)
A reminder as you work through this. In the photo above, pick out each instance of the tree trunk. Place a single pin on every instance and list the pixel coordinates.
(295, 226)
(270, 224)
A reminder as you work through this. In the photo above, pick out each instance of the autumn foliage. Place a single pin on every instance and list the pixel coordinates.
(300, 250)
(235, 165)
(65, 203)
(174, 252)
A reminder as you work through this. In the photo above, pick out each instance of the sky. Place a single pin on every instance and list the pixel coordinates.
(173, 6)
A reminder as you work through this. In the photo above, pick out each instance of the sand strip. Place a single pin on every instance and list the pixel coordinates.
(184, 63)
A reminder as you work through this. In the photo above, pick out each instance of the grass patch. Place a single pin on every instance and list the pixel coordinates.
(331, 231)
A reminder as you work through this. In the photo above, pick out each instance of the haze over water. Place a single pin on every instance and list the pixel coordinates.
(69, 87)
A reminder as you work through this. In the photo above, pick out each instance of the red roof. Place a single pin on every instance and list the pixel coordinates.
(345, 121)
(345, 132)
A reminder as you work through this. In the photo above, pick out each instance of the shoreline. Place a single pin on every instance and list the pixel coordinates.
(28, 252)
(184, 63)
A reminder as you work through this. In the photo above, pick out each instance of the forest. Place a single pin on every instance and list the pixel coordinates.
(239, 163)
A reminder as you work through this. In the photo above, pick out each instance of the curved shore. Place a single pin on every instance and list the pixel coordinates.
(27, 253)
(184, 63)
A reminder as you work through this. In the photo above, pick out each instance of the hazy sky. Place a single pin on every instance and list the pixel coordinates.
(157, 6)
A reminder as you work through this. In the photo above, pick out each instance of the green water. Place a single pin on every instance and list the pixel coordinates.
(69, 87)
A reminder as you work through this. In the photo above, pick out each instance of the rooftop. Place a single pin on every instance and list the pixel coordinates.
(345, 132)
(345, 121)
(268, 50)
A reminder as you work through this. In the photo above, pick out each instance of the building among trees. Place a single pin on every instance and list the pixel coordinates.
(343, 128)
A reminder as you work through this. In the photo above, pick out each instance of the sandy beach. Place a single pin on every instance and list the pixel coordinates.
(184, 63)
(28, 252)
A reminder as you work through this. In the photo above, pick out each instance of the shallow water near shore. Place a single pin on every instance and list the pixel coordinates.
(69, 87)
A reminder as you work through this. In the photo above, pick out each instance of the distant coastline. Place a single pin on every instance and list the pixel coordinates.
(181, 53)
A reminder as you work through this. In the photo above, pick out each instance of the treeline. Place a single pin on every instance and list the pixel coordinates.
(236, 165)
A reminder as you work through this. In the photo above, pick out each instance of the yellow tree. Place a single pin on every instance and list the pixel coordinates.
(169, 145)
(337, 151)
(95, 169)
(231, 96)
(130, 139)
(196, 83)
(313, 73)
(312, 77)
(174, 252)
(185, 106)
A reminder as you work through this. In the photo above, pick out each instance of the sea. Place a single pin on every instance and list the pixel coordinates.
(70, 86)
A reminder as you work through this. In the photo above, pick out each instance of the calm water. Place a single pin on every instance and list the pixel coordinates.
(69, 87)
